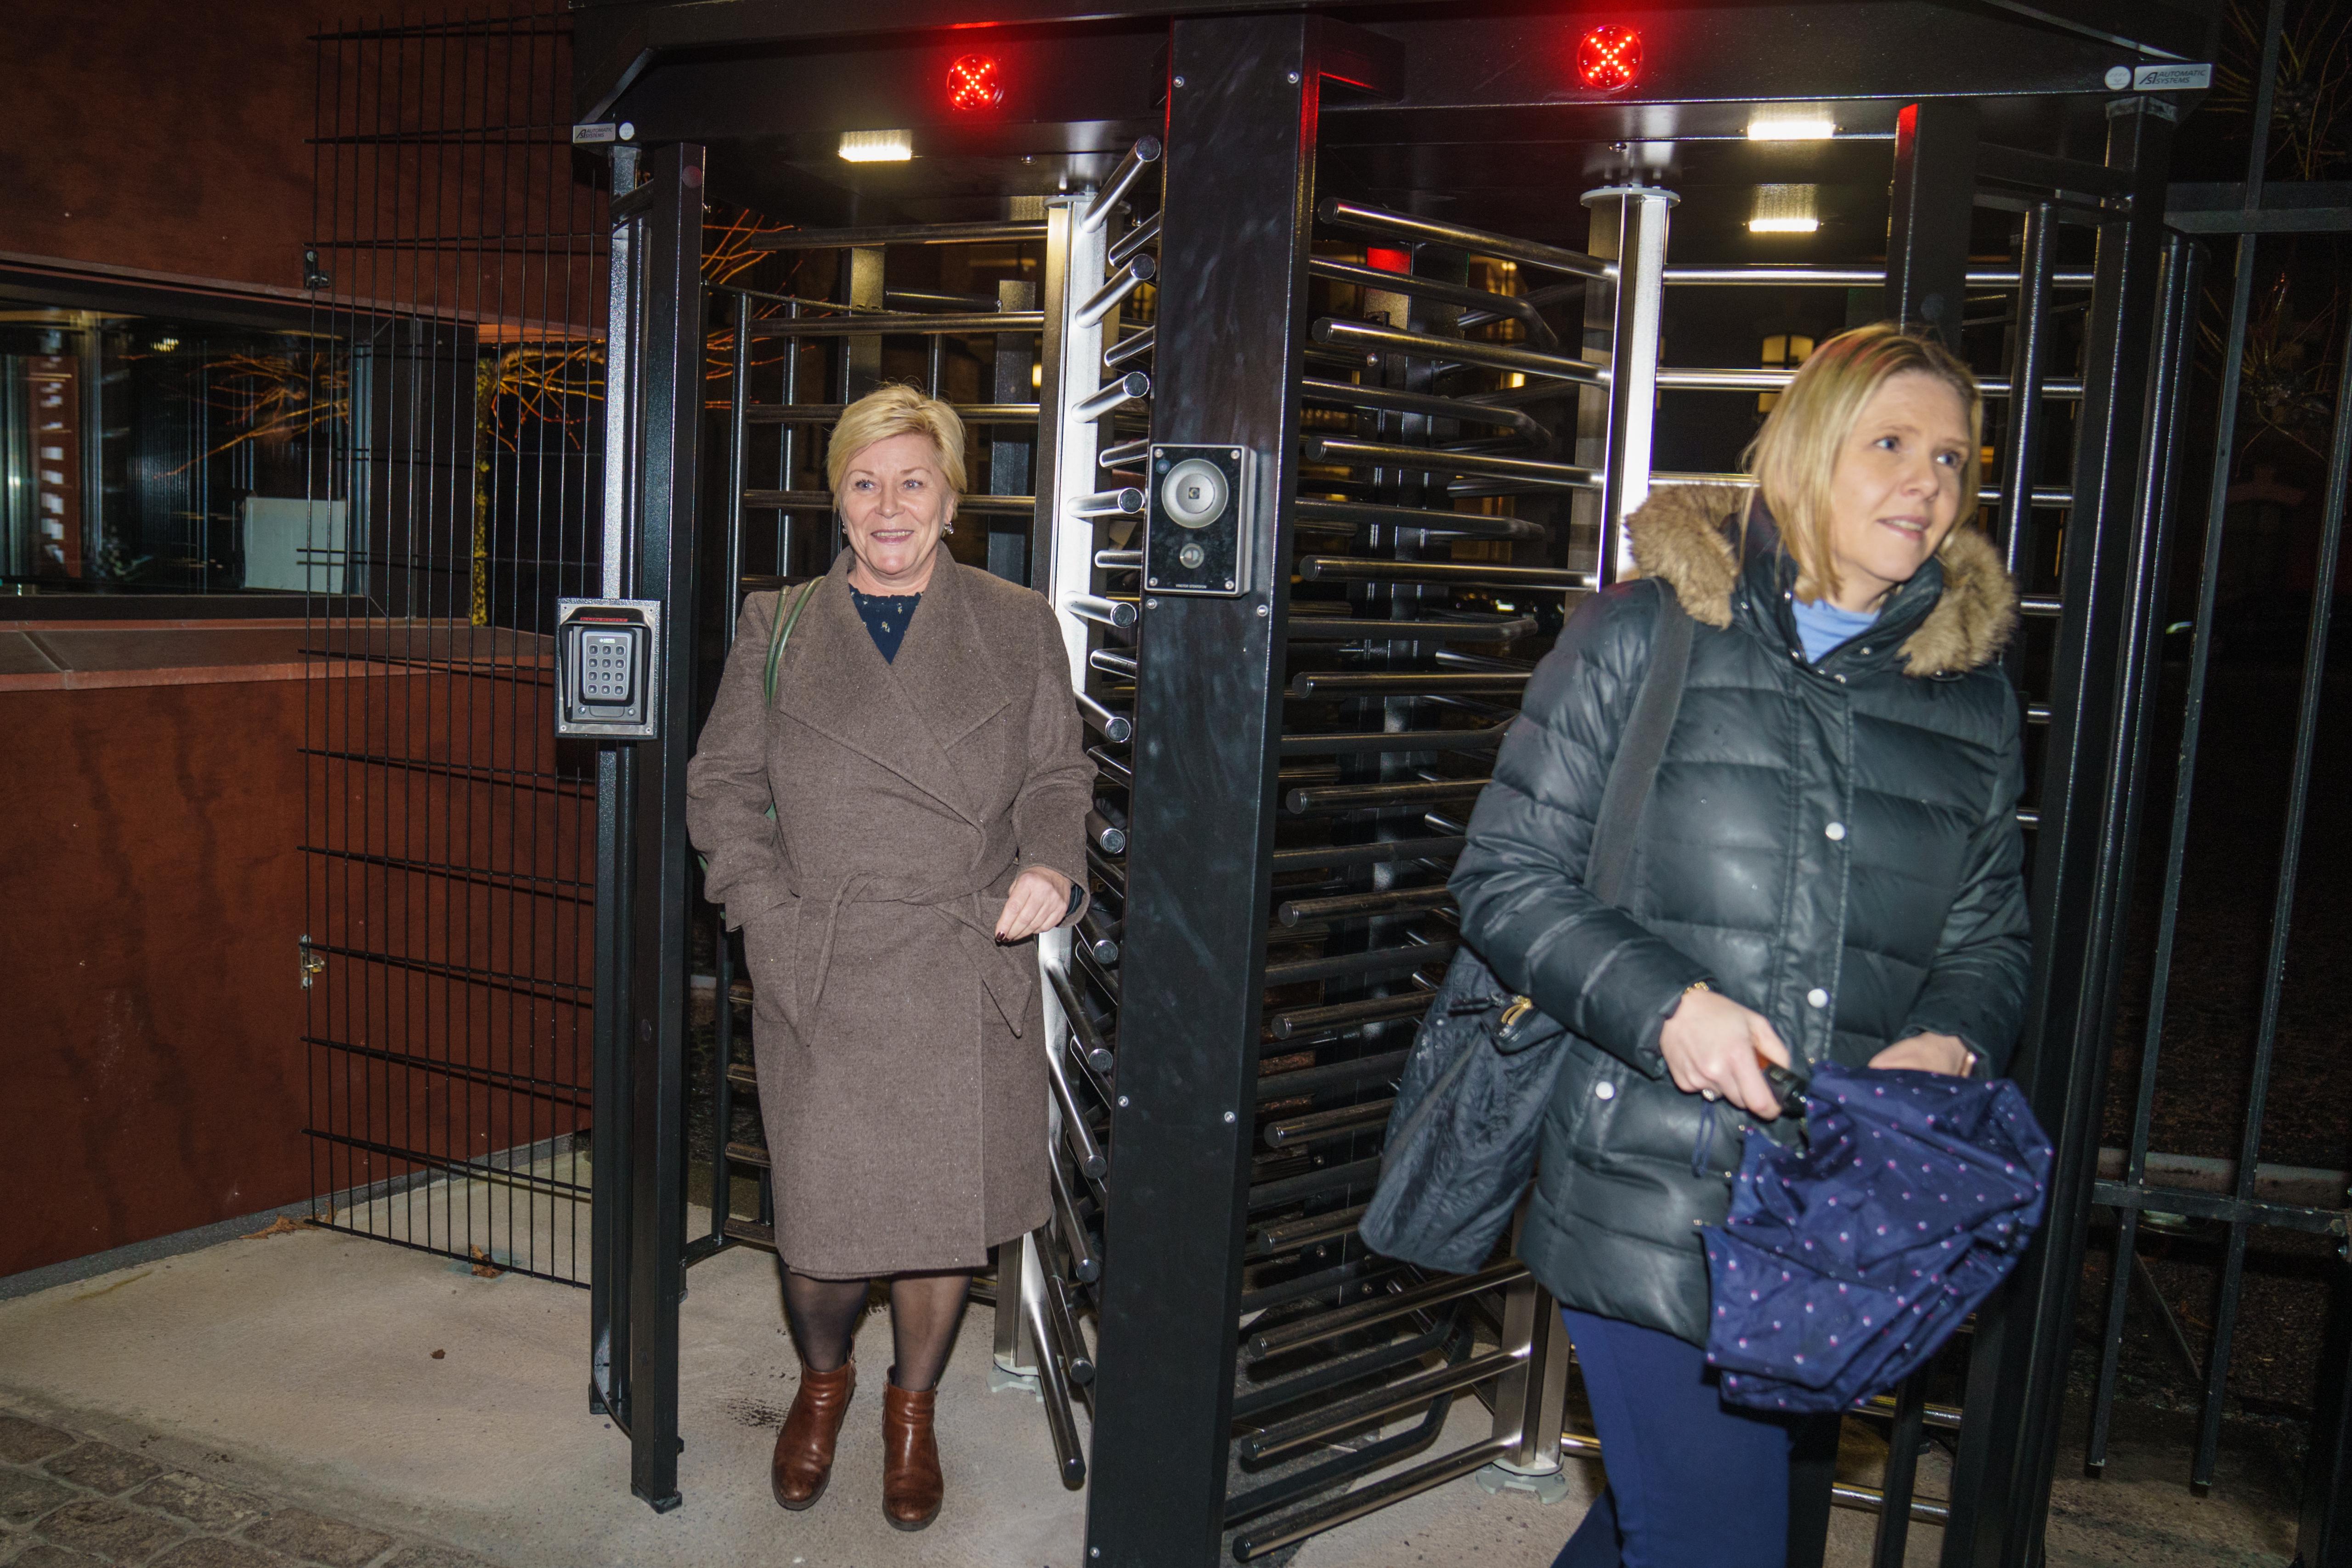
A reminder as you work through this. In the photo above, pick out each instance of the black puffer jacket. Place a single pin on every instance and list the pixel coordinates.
(1835, 845)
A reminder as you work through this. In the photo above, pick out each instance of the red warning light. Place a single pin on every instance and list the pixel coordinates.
(973, 83)
(1609, 57)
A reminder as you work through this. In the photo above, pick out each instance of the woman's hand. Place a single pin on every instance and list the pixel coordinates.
(1928, 1053)
(1036, 901)
(1711, 1045)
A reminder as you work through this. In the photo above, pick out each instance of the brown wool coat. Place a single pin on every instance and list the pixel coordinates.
(900, 1051)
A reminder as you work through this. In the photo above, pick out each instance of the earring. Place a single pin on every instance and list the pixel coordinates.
(947, 528)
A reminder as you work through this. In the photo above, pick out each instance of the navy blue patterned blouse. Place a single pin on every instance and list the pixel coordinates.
(886, 615)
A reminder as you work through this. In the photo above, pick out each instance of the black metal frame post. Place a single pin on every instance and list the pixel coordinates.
(2017, 1377)
(1934, 198)
(1235, 230)
(653, 434)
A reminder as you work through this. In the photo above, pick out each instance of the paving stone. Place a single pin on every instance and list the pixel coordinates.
(299, 1532)
(110, 1530)
(41, 1554)
(23, 1441)
(433, 1557)
(210, 1552)
(24, 1496)
(199, 1501)
(103, 1468)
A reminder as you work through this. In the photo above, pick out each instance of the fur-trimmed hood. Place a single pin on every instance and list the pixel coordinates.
(1689, 536)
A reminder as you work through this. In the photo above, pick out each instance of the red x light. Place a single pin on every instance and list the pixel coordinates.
(974, 82)
(1609, 57)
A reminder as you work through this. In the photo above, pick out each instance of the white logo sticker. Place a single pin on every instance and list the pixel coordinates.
(2173, 78)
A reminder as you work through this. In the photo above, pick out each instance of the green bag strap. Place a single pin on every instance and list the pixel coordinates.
(784, 629)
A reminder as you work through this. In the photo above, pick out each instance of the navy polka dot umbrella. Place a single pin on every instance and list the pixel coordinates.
(1848, 1262)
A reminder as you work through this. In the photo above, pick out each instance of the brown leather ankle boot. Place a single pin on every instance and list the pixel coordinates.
(803, 1461)
(911, 1484)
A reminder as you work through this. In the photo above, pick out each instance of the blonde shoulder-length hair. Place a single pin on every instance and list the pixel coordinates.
(895, 410)
(1794, 456)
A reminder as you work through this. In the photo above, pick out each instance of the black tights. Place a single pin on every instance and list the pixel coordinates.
(924, 1311)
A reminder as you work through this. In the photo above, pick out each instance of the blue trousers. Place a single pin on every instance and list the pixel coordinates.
(1693, 1482)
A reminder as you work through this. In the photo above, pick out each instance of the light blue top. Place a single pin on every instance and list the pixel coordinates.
(1822, 626)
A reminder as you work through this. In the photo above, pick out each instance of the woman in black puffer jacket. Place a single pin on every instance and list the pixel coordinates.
(1828, 869)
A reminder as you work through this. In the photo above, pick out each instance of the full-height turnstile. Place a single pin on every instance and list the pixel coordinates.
(1437, 427)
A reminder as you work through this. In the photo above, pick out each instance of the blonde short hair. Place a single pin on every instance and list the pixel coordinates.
(1795, 455)
(895, 410)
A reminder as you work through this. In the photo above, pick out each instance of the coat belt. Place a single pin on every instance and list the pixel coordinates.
(953, 899)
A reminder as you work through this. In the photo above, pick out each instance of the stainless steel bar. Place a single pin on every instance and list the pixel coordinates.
(1333, 1077)
(1097, 211)
(1695, 378)
(1075, 1130)
(1138, 271)
(1642, 213)
(1084, 1263)
(1125, 501)
(1407, 683)
(1373, 963)
(1077, 1360)
(1363, 741)
(1298, 1023)
(1141, 235)
(1363, 1314)
(1119, 561)
(1371, 338)
(1133, 347)
(1104, 837)
(1100, 934)
(2047, 496)
(886, 323)
(1429, 629)
(1369, 1498)
(1502, 247)
(828, 413)
(1374, 1406)
(1115, 727)
(2038, 604)
(1838, 277)
(1351, 515)
(897, 233)
(1345, 905)
(1430, 460)
(822, 500)
(1318, 1124)
(1353, 569)
(2029, 365)
(1348, 394)
(1061, 1423)
(1115, 394)
(1090, 1040)
(1102, 612)
(1111, 661)
(1516, 307)
(1351, 797)
(1289, 1235)
(1126, 454)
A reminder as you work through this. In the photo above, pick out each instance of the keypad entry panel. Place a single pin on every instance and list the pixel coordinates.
(607, 668)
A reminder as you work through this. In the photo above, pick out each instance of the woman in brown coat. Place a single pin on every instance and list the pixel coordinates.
(928, 786)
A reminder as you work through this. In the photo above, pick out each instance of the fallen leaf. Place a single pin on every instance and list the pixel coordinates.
(281, 1225)
(483, 1268)
(438, 1354)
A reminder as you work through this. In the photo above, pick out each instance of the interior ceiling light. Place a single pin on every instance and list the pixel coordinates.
(878, 146)
(1609, 57)
(974, 83)
(1785, 209)
(1791, 122)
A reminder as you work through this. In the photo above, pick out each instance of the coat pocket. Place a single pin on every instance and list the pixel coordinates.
(772, 958)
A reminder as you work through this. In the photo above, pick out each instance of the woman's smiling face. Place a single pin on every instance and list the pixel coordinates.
(894, 505)
(1895, 493)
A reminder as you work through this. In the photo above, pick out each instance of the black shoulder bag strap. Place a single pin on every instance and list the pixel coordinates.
(1640, 750)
